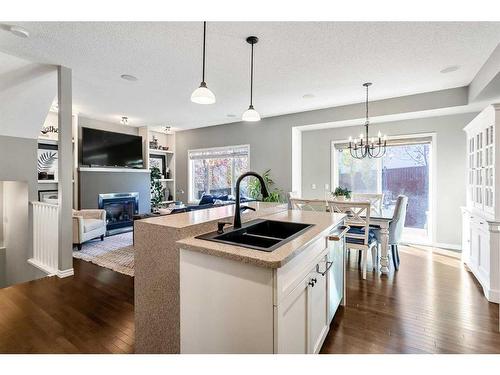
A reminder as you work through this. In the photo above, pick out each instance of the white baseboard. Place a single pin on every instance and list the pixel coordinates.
(447, 246)
(65, 273)
(441, 245)
(41, 267)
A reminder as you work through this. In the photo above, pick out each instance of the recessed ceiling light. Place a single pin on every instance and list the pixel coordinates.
(450, 69)
(230, 115)
(128, 77)
(308, 96)
(19, 31)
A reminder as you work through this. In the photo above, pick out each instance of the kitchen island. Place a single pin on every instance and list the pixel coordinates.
(198, 296)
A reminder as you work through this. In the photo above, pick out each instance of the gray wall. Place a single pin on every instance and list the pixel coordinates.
(271, 147)
(94, 183)
(108, 126)
(270, 143)
(18, 158)
(1, 213)
(271, 139)
(450, 167)
(17, 241)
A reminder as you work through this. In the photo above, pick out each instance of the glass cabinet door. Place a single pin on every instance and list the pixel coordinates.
(489, 172)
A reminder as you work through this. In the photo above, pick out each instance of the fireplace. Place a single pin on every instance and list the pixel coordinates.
(120, 209)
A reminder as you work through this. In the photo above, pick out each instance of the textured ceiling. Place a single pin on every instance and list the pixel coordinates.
(328, 60)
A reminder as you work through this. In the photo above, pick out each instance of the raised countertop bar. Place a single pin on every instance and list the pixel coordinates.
(194, 218)
(323, 223)
(156, 270)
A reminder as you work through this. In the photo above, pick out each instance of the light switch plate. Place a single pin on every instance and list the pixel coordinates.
(313, 186)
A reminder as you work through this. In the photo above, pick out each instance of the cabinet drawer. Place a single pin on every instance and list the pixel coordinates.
(479, 223)
(288, 276)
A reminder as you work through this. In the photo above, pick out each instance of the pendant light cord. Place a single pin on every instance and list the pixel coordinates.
(204, 38)
(251, 79)
(366, 104)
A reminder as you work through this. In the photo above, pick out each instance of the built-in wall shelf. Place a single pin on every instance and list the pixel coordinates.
(165, 180)
(160, 152)
(48, 141)
(102, 169)
(48, 181)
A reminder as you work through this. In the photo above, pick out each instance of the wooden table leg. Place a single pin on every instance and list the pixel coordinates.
(384, 257)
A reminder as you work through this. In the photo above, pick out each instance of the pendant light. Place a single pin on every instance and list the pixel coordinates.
(203, 95)
(251, 114)
(366, 147)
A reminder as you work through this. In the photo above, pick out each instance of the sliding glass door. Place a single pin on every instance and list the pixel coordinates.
(405, 169)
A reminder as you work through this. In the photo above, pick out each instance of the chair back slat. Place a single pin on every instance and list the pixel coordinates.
(307, 204)
(376, 201)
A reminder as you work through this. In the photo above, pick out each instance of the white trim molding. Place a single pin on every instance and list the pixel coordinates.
(65, 273)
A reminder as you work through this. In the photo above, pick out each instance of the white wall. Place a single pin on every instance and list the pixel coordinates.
(450, 164)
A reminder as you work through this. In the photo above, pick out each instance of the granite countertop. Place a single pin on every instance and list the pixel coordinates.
(323, 224)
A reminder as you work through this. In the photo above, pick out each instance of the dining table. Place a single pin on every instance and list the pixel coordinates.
(377, 221)
(382, 222)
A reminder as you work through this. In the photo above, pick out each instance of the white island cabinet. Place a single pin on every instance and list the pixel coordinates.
(229, 306)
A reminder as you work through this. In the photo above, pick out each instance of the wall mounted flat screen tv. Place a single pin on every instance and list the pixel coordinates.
(108, 149)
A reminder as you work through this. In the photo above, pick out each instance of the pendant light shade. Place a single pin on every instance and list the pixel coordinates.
(251, 114)
(203, 95)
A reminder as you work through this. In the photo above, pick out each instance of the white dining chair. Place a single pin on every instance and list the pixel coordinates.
(360, 236)
(306, 204)
(376, 201)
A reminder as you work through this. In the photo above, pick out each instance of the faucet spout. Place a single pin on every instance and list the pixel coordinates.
(263, 190)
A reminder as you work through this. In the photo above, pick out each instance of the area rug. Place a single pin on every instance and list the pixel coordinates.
(115, 252)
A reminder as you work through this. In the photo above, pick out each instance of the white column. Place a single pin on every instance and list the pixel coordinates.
(65, 163)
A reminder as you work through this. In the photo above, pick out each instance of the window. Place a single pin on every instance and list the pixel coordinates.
(215, 170)
(404, 169)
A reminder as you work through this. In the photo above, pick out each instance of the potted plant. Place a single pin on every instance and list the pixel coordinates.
(342, 193)
(275, 195)
(157, 189)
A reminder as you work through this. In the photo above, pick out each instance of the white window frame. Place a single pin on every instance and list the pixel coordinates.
(432, 176)
(208, 149)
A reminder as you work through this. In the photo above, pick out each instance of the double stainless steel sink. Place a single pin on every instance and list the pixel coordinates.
(260, 234)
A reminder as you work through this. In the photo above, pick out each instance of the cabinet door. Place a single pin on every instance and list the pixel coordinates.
(335, 277)
(475, 243)
(292, 316)
(318, 307)
(465, 236)
(483, 254)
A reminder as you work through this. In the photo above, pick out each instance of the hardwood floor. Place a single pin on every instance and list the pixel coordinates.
(432, 305)
(91, 312)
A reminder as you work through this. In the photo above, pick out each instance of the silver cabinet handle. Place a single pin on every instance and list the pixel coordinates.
(328, 266)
